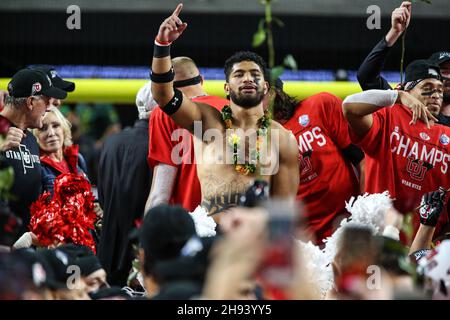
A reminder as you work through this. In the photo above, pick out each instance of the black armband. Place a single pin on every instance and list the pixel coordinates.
(162, 77)
(174, 104)
(160, 51)
(188, 82)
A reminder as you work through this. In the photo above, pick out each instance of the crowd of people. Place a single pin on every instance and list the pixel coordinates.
(256, 196)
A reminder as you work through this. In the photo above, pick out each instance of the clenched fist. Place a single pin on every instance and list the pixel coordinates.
(13, 138)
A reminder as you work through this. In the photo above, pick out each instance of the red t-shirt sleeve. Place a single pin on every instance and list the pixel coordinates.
(371, 141)
(160, 143)
(336, 124)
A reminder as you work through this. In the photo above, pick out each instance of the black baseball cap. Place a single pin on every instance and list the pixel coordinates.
(27, 82)
(58, 262)
(422, 69)
(164, 231)
(439, 57)
(84, 258)
(57, 81)
(190, 264)
(41, 271)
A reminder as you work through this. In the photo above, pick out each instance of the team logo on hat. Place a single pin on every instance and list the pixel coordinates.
(424, 136)
(444, 54)
(61, 257)
(303, 120)
(444, 139)
(36, 88)
(433, 72)
(38, 273)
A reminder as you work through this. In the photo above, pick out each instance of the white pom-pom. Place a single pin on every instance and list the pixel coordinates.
(319, 273)
(367, 211)
(370, 209)
(204, 225)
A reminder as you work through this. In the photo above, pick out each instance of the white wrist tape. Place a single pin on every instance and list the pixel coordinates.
(391, 232)
(380, 98)
(25, 241)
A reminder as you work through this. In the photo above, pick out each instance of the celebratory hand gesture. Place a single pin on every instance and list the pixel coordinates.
(431, 207)
(171, 28)
(400, 19)
(419, 111)
(401, 16)
(13, 138)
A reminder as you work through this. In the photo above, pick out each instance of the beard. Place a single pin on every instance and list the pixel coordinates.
(247, 101)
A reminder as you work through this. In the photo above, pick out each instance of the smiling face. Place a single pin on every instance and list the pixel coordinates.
(246, 85)
(430, 92)
(51, 135)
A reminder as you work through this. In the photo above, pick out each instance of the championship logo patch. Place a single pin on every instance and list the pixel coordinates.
(36, 88)
(303, 120)
(444, 139)
(424, 136)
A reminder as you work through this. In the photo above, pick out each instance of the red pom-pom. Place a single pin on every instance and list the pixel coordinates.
(68, 216)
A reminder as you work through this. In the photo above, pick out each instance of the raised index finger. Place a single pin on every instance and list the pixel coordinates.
(406, 4)
(177, 10)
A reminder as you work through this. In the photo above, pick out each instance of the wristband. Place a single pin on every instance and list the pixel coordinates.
(162, 43)
(161, 49)
(174, 104)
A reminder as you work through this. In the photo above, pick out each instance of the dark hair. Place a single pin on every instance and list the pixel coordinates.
(164, 231)
(244, 56)
(283, 105)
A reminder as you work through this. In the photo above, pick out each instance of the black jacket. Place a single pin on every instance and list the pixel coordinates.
(123, 187)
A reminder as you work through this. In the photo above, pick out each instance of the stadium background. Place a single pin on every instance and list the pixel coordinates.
(116, 41)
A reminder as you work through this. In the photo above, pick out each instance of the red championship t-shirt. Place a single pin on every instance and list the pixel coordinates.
(169, 142)
(327, 179)
(407, 160)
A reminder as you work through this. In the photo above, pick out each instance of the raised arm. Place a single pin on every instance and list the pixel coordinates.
(172, 101)
(369, 73)
(358, 108)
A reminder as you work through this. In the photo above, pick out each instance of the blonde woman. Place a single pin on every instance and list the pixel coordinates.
(57, 152)
(58, 155)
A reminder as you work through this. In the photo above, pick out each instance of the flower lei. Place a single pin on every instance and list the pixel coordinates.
(234, 140)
